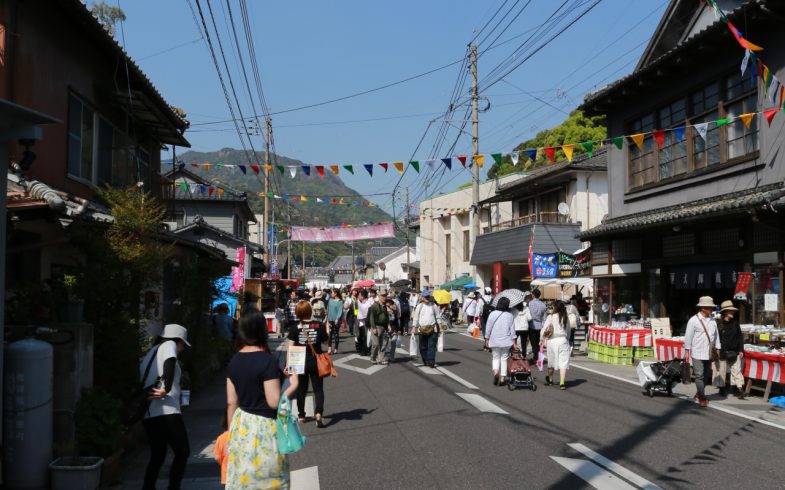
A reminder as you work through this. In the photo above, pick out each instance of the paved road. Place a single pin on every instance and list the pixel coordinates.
(406, 426)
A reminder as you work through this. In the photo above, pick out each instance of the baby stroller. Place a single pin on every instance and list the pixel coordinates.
(519, 373)
(659, 376)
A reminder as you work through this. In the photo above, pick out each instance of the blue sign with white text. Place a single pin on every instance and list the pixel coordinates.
(544, 265)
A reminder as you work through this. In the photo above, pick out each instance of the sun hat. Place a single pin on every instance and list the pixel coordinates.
(175, 331)
(319, 294)
(488, 289)
(706, 302)
(728, 305)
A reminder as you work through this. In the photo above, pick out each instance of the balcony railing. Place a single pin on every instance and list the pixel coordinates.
(528, 219)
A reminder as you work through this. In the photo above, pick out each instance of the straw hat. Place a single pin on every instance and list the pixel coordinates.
(319, 294)
(706, 302)
(728, 305)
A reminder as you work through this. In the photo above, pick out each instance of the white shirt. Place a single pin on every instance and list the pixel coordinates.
(169, 404)
(424, 315)
(362, 308)
(695, 339)
(473, 307)
(559, 330)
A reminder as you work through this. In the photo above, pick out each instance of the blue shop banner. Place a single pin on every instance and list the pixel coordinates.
(544, 265)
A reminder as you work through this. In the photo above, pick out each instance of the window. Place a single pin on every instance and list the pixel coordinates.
(728, 98)
(238, 227)
(81, 132)
(448, 252)
(466, 245)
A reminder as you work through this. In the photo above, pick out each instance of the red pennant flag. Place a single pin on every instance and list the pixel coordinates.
(210, 191)
(770, 114)
(384, 166)
(551, 152)
(255, 168)
(659, 136)
(320, 169)
(332, 201)
(195, 165)
(462, 158)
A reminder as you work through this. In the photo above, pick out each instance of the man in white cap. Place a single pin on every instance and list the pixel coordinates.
(702, 342)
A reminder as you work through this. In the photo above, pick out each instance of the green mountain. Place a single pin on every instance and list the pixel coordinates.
(309, 213)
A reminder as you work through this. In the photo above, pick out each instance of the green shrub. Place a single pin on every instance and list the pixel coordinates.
(97, 421)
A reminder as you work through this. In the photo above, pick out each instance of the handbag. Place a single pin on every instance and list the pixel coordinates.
(288, 435)
(540, 359)
(440, 343)
(324, 364)
(712, 351)
(412, 346)
(136, 407)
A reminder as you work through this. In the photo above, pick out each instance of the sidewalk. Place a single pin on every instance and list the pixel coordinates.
(752, 408)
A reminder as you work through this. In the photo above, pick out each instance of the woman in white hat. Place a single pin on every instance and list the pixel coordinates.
(731, 351)
(163, 422)
(702, 341)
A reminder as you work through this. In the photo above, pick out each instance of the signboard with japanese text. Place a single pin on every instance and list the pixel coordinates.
(544, 265)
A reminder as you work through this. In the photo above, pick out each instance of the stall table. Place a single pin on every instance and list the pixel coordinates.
(670, 349)
(619, 346)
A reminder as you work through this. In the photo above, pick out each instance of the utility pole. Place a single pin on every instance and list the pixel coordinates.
(406, 223)
(303, 259)
(266, 241)
(289, 243)
(475, 216)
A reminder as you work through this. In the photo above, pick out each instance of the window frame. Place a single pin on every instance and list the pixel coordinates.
(634, 126)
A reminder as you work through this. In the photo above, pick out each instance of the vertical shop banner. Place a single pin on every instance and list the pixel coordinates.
(238, 272)
(544, 265)
(743, 281)
(497, 278)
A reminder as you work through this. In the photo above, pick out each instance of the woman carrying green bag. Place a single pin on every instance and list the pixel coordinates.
(253, 391)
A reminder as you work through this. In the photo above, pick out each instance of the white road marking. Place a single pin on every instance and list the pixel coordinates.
(481, 403)
(467, 335)
(342, 363)
(404, 352)
(686, 398)
(429, 370)
(305, 479)
(615, 467)
(593, 474)
(206, 453)
(456, 378)
(308, 406)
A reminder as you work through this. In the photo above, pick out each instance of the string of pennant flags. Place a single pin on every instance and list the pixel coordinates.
(773, 89)
(432, 212)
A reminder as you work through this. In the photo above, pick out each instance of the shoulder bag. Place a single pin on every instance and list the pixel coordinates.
(324, 363)
(137, 406)
(712, 351)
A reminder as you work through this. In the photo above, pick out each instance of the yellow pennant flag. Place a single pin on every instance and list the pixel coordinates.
(334, 168)
(399, 166)
(479, 159)
(747, 118)
(568, 151)
(268, 167)
(207, 167)
(302, 198)
(220, 192)
(638, 140)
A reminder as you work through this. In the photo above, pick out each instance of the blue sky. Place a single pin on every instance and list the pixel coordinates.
(313, 51)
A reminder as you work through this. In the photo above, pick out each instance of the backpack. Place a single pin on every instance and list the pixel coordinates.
(487, 308)
(319, 312)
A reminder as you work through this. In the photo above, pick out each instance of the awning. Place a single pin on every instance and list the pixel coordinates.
(581, 282)
(512, 244)
(457, 283)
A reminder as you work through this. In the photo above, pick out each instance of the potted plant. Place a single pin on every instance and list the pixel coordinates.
(69, 307)
(98, 436)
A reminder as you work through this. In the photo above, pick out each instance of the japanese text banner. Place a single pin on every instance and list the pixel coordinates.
(316, 234)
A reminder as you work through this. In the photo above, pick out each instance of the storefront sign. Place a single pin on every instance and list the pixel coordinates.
(743, 281)
(574, 265)
(497, 278)
(770, 302)
(544, 265)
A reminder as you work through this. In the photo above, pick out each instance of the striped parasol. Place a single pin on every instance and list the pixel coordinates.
(514, 295)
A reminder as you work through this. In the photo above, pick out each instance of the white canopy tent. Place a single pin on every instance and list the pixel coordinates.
(563, 288)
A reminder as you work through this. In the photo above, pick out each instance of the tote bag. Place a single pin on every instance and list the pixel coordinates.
(288, 435)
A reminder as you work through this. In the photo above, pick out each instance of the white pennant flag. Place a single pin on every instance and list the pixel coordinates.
(192, 188)
(276, 196)
(429, 163)
(702, 128)
(292, 171)
(745, 61)
(514, 155)
(774, 89)
(319, 199)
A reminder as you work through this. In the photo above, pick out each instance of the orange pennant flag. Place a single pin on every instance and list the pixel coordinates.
(334, 168)
(302, 198)
(220, 192)
(479, 159)
(747, 118)
(638, 139)
(399, 166)
(567, 149)
(207, 167)
(268, 167)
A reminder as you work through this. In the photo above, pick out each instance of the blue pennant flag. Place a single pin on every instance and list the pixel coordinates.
(202, 188)
(307, 170)
(242, 168)
(679, 133)
(369, 168)
(447, 163)
(181, 166)
(532, 153)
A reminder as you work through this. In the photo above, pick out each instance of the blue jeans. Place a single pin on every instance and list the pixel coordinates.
(428, 347)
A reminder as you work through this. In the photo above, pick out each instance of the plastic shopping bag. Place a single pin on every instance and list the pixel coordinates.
(541, 359)
(440, 343)
(470, 329)
(413, 346)
(476, 332)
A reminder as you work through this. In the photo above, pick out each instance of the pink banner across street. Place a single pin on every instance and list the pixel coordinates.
(315, 234)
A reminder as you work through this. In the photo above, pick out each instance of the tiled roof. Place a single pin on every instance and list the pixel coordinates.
(207, 226)
(704, 208)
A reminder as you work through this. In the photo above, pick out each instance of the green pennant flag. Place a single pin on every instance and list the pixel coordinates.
(220, 165)
(349, 168)
(589, 147)
(722, 122)
(415, 165)
(619, 142)
(269, 194)
(497, 157)
(184, 186)
(281, 169)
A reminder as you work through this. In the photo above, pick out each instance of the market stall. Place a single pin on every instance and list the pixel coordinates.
(621, 343)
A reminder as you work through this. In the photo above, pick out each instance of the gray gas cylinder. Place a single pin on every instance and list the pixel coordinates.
(27, 414)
